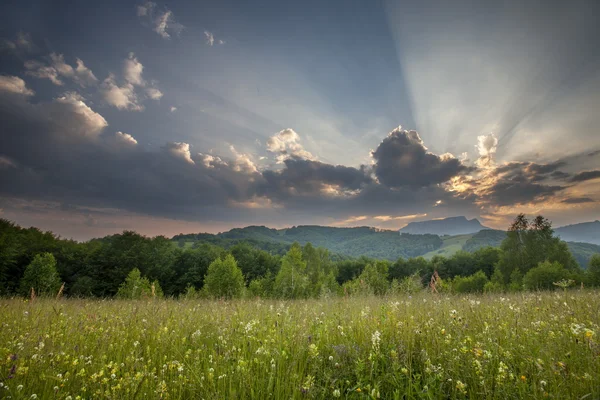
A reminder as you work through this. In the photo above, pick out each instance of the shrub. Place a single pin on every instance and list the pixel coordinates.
(544, 275)
(470, 284)
(136, 287)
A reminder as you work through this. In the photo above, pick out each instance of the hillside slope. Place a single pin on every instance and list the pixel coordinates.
(588, 232)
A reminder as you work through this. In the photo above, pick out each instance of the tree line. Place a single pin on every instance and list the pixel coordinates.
(130, 265)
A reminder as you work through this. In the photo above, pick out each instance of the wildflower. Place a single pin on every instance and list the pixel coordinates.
(523, 378)
(461, 387)
(404, 371)
(337, 393)
(376, 340)
(330, 358)
(33, 396)
(543, 383)
(19, 388)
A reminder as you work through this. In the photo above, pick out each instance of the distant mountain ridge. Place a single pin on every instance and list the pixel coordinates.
(384, 244)
(587, 232)
(447, 226)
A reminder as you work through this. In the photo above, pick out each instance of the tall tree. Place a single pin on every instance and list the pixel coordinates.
(291, 280)
(41, 275)
(224, 278)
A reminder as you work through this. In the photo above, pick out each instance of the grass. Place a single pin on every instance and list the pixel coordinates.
(452, 244)
(534, 345)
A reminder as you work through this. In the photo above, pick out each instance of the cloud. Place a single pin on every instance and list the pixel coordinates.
(93, 122)
(585, 176)
(21, 42)
(173, 109)
(132, 70)
(302, 177)
(154, 93)
(122, 97)
(163, 23)
(578, 200)
(243, 162)
(486, 147)
(145, 9)
(15, 85)
(180, 150)
(402, 160)
(125, 139)
(286, 144)
(210, 39)
(6, 162)
(56, 67)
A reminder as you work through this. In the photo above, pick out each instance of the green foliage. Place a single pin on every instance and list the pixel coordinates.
(374, 276)
(224, 279)
(136, 287)
(470, 284)
(593, 271)
(545, 275)
(529, 243)
(292, 280)
(408, 285)
(41, 275)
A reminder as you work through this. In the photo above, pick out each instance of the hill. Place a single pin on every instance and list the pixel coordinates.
(447, 226)
(353, 242)
(365, 241)
(588, 232)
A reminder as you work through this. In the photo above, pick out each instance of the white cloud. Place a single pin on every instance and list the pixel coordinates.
(92, 122)
(210, 39)
(163, 23)
(180, 150)
(486, 146)
(286, 144)
(14, 84)
(57, 66)
(173, 108)
(145, 9)
(125, 139)
(132, 70)
(154, 93)
(122, 97)
(243, 162)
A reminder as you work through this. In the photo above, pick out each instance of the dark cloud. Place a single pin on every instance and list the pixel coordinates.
(302, 177)
(578, 200)
(402, 160)
(506, 192)
(594, 153)
(585, 176)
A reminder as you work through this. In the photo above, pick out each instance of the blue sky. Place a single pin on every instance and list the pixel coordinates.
(201, 116)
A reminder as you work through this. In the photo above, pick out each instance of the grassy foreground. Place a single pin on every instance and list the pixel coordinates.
(428, 346)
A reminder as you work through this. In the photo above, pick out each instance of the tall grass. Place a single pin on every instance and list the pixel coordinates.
(427, 346)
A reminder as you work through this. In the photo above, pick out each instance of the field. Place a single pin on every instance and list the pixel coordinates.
(530, 345)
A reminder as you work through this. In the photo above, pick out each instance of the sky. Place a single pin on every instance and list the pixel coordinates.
(202, 116)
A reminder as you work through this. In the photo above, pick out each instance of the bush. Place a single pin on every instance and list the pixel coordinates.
(544, 275)
(593, 271)
(224, 279)
(471, 284)
(41, 275)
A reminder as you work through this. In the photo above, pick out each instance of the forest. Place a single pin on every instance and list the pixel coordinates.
(131, 265)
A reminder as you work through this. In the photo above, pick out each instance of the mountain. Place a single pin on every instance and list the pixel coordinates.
(587, 232)
(353, 242)
(446, 226)
(369, 242)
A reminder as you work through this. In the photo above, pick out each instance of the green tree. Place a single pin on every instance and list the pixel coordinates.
(376, 277)
(291, 281)
(593, 270)
(136, 287)
(41, 275)
(224, 278)
(544, 275)
(529, 243)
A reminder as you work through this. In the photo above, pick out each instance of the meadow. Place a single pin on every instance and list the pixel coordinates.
(429, 346)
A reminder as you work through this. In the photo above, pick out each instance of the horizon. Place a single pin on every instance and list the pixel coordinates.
(172, 235)
(204, 117)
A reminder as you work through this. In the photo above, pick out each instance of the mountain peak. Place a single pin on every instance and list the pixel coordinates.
(458, 225)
